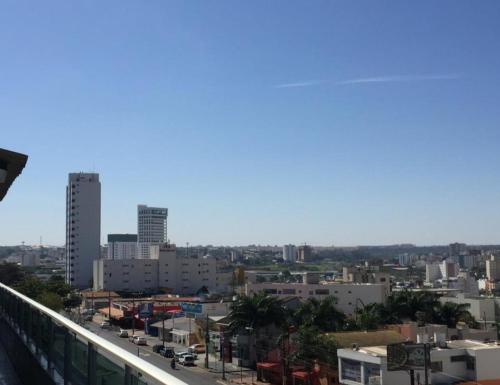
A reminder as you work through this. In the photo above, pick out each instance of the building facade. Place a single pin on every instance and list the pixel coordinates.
(289, 253)
(164, 269)
(151, 228)
(350, 296)
(83, 227)
(304, 253)
(122, 246)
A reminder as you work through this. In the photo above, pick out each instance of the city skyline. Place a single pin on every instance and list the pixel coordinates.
(296, 128)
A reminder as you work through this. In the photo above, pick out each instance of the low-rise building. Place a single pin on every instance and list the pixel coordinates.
(481, 308)
(350, 296)
(452, 362)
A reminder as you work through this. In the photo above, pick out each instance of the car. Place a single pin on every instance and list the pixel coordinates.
(123, 333)
(105, 325)
(196, 348)
(178, 355)
(157, 348)
(166, 351)
(89, 317)
(139, 340)
(186, 360)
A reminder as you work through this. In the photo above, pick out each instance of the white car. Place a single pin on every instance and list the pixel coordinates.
(138, 340)
(186, 360)
(105, 325)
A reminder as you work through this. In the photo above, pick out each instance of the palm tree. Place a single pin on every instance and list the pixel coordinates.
(255, 312)
(371, 316)
(321, 314)
(451, 313)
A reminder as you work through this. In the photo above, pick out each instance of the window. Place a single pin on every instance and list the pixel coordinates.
(270, 291)
(322, 291)
(471, 363)
(351, 370)
(382, 279)
(458, 358)
(436, 366)
(371, 371)
(288, 291)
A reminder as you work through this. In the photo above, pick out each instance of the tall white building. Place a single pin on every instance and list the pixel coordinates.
(151, 228)
(122, 246)
(289, 253)
(83, 227)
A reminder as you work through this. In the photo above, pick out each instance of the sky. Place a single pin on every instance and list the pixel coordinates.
(257, 122)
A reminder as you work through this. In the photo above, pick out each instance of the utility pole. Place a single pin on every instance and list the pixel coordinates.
(133, 315)
(163, 326)
(109, 304)
(207, 341)
(427, 358)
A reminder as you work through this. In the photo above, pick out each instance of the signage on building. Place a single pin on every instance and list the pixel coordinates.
(189, 307)
(146, 310)
(404, 356)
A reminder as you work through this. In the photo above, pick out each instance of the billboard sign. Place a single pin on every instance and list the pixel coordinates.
(403, 356)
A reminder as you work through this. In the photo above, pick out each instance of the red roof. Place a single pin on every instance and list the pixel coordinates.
(482, 382)
(267, 365)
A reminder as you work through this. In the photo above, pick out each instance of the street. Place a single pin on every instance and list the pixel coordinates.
(192, 375)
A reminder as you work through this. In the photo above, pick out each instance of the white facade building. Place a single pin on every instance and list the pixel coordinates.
(83, 227)
(455, 361)
(350, 296)
(164, 269)
(432, 272)
(482, 308)
(289, 253)
(151, 228)
(122, 246)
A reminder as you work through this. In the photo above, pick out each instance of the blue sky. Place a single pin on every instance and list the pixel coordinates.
(326, 122)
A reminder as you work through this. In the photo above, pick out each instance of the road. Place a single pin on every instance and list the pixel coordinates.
(190, 375)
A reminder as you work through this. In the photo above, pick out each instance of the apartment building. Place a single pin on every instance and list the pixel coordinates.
(151, 228)
(83, 227)
(164, 269)
(122, 246)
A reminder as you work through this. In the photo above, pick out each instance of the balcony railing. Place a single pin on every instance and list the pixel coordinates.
(71, 354)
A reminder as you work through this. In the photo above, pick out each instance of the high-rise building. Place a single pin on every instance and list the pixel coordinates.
(151, 228)
(122, 246)
(304, 253)
(83, 227)
(289, 253)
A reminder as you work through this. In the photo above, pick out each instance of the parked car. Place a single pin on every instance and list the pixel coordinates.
(178, 355)
(123, 333)
(138, 340)
(157, 348)
(186, 360)
(88, 317)
(167, 352)
(196, 348)
(105, 325)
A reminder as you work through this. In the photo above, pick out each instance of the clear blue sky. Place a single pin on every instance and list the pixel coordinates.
(326, 122)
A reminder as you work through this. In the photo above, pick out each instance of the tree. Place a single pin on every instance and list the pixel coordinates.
(370, 317)
(321, 314)
(31, 287)
(51, 300)
(451, 313)
(72, 300)
(310, 346)
(11, 274)
(255, 312)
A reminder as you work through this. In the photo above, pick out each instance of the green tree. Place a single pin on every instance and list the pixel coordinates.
(321, 314)
(451, 313)
(370, 317)
(72, 300)
(11, 274)
(311, 345)
(51, 300)
(256, 311)
(31, 287)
